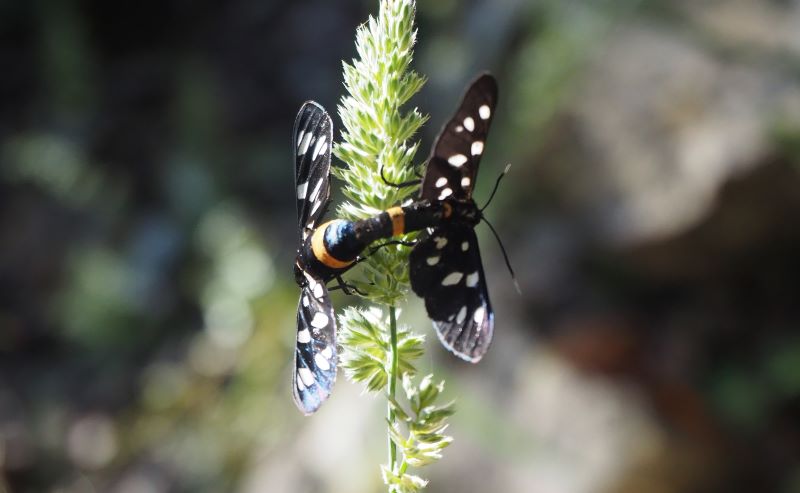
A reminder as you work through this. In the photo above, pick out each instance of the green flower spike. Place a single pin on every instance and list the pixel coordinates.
(376, 136)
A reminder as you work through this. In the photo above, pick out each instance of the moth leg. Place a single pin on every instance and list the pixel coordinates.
(347, 289)
(410, 183)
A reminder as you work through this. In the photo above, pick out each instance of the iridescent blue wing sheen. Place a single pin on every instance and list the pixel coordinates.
(445, 270)
(315, 352)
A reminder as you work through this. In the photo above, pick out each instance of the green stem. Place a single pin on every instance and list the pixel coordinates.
(392, 385)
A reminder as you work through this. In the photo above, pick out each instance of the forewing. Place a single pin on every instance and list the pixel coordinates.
(453, 164)
(445, 270)
(315, 354)
(311, 142)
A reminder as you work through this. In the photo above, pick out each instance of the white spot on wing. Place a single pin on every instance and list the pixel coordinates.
(457, 160)
(315, 207)
(301, 190)
(452, 279)
(479, 313)
(477, 148)
(465, 182)
(320, 147)
(320, 320)
(472, 279)
(316, 287)
(462, 314)
(321, 362)
(306, 376)
(445, 193)
(464, 246)
(304, 336)
(459, 129)
(314, 196)
(432, 260)
(304, 144)
(327, 352)
(317, 189)
(440, 242)
(441, 182)
(469, 123)
(300, 139)
(300, 385)
(305, 300)
(485, 112)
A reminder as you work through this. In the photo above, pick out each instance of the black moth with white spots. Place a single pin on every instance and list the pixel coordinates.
(445, 267)
(315, 352)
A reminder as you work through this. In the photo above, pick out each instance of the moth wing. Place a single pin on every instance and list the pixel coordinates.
(312, 138)
(453, 163)
(446, 270)
(315, 352)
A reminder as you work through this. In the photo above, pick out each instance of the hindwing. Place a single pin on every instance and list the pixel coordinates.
(315, 352)
(446, 270)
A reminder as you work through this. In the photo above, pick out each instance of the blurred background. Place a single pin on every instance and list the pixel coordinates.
(652, 215)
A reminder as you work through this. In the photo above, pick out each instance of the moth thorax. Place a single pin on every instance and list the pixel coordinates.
(466, 212)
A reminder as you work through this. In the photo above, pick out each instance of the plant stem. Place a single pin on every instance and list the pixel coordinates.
(392, 385)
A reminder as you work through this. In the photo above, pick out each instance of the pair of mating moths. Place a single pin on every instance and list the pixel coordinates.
(445, 266)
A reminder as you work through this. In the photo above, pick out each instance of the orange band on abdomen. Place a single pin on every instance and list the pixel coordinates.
(398, 220)
(321, 252)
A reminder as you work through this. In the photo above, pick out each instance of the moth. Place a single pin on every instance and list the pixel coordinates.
(445, 267)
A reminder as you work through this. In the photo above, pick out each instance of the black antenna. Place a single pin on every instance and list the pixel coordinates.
(505, 256)
(496, 184)
(494, 232)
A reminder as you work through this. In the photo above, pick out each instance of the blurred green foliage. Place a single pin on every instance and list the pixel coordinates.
(147, 235)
